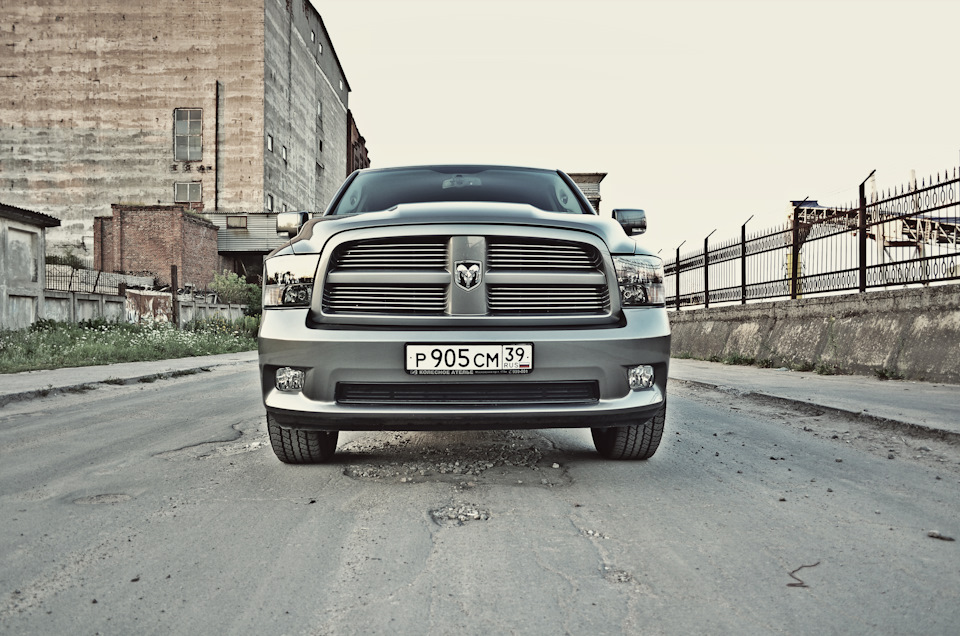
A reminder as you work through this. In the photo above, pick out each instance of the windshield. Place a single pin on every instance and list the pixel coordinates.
(381, 190)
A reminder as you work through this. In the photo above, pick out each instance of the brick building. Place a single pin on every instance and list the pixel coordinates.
(147, 240)
(234, 109)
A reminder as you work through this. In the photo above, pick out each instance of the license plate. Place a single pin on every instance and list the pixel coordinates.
(457, 359)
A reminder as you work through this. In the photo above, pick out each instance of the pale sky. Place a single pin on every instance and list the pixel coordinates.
(702, 112)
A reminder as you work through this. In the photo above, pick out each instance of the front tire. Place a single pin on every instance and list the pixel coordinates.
(299, 446)
(636, 441)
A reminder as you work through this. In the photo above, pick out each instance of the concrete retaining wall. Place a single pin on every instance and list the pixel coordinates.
(914, 333)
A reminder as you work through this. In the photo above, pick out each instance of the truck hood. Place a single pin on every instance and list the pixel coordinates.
(315, 233)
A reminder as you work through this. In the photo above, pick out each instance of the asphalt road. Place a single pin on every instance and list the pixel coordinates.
(160, 508)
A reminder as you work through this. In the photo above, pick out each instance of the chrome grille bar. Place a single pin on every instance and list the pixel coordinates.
(538, 300)
(534, 255)
(388, 255)
(370, 299)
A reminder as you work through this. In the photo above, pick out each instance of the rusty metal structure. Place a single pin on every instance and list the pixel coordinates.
(903, 237)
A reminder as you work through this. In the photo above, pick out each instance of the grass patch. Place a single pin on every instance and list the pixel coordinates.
(823, 368)
(49, 344)
(739, 359)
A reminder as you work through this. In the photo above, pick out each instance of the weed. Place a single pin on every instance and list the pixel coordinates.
(147, 379)
(823, 368)
(738, 359)
(803, 365)
(715, 358)
(183, 372)
(765, 363)
(116, 381)
(887, 374)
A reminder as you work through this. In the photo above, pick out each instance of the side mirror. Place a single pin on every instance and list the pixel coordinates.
(632, 221)
(291, 222)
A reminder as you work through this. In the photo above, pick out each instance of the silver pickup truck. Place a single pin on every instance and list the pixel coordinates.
(463, 297)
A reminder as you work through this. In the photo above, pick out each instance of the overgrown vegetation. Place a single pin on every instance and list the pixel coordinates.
(234, 289)
(49, 344)
(67, 258)
(888, 374)
(739, 359)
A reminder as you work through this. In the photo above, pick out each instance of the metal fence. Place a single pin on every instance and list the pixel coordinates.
(899, 238)
(68, 279)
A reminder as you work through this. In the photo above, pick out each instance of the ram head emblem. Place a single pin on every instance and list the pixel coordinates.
(467, 274)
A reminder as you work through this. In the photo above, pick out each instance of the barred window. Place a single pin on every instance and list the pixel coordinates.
(188, 192)
(188, 134)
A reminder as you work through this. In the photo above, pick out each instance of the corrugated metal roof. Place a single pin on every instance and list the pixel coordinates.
(260, 235)
(28, 216)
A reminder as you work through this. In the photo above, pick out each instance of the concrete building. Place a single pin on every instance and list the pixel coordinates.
(589, 184)
(233, 109)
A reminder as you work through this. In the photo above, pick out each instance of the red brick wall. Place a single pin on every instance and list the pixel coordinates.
(200, 259)
(147, 240)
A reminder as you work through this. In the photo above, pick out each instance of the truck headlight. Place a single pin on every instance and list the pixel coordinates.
(640, 279)
(288, 280)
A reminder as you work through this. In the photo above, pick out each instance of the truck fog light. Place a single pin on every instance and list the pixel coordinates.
(641, 377)
(289, 379)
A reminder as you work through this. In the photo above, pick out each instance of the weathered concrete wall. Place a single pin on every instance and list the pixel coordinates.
(87, 99)
(158, 306)
(305, 109)
(913, 332)
(76, 306)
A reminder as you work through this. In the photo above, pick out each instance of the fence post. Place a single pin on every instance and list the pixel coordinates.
(706, 275)
(176, 297)
(862, 233)
(795, 255)
(743, 262)
(706, 270)
(678, 275)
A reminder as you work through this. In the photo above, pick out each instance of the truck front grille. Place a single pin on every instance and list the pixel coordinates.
(391, 254)
(521, 278)
(525, 254)
(468, 393)
(568, 299)
(385, 299)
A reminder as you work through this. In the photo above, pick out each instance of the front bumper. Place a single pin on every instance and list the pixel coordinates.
(330, 356)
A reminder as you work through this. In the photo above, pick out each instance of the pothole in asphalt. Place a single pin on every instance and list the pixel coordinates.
(111, 498)
(469, 458)
(615, 575)
(453, 516)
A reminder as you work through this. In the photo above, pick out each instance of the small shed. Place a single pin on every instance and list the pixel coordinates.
(22, 260)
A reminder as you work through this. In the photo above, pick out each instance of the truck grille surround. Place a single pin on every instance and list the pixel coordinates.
(414, 277)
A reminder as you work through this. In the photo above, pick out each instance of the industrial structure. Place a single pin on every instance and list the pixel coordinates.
(235, 111)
